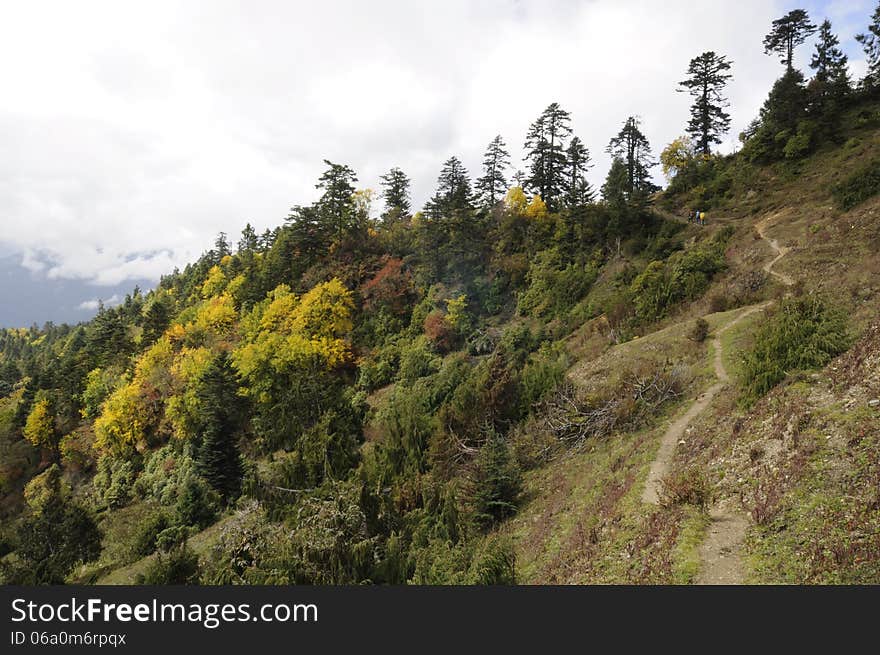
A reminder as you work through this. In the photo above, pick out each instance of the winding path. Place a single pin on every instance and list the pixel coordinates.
(720, 552)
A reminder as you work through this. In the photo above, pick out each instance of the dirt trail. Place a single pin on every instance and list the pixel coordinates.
(720, 558)
(660, 465)
(781, 251)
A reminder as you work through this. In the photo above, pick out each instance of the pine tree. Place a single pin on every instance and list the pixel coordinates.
(828, 61)
(616, 186)
(545, 150)
(156, 318)
(578, 191)
(498, 481)
(219, 461)
(335, 206)
(493, 184)
(871, 44)
(830, 85)
(453, 191)
(633, 149)
(395, 193)
(249, 241)
(707, 77)
(787, 33)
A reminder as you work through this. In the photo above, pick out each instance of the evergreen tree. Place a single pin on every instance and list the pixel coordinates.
(578, 191)
(156, 319)
(221, 248)
(219, 461)
(453, 191)
(871, 44)
(616, 186)
(395, 192)
(51, 542)
(782, 114)
(707, 77)
(493, 184)
(786, 105)
(828, 61)
(631, 147)
(545, 151)
(335, 206)
(498, 482)
(787, 33)
(249, 240)
(830, 85)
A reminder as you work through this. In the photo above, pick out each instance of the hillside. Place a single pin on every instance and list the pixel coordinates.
(782, 491)
(557, 389)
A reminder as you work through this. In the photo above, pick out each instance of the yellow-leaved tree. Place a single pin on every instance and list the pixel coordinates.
(289, 347)
(39, 428)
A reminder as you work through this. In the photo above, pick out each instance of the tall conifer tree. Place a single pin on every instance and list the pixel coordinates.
(545, 150)
(493, 184)
(788, 33)
(707, 77)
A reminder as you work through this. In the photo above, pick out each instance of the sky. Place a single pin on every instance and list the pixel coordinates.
(134, 132)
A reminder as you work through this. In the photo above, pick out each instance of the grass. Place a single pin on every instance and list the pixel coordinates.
(687, 550)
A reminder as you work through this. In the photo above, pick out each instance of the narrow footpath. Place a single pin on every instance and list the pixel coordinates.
(721, 559)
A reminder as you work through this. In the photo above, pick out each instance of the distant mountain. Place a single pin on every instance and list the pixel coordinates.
(27, 297)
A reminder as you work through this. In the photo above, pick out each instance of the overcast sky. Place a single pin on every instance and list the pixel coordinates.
(134, 132)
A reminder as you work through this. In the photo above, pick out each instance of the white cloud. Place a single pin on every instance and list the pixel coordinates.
(134, 133)
(92, 305)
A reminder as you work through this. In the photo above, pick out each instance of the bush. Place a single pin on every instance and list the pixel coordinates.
(197, 504)
(858, 186)
(805, 332)
(554, 287)
(114, 480)
(543, 372)
(699, 331)
(177, 566)
(145, 538)
(688, 487)
(417, 360)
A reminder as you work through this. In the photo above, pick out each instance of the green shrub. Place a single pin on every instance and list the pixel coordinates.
(699, 331)
(553, 287)
(688, 487)
(417, 359)
(148, 531)
(858, 186)
(805, 332)
(177, 566)
(197, 504)
(543, 372)
(114, 481)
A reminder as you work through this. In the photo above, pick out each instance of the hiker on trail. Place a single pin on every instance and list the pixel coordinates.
(702, 218)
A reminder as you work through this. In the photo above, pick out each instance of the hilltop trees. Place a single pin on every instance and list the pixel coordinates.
(828, 60)
(395, 193)
(578, 191)
(786, 34)
(493, 185)
(780, 120)
(453, 190)
(631, 148)
(545, 152)
(707, 77)
(830, 84)
(335, 207)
